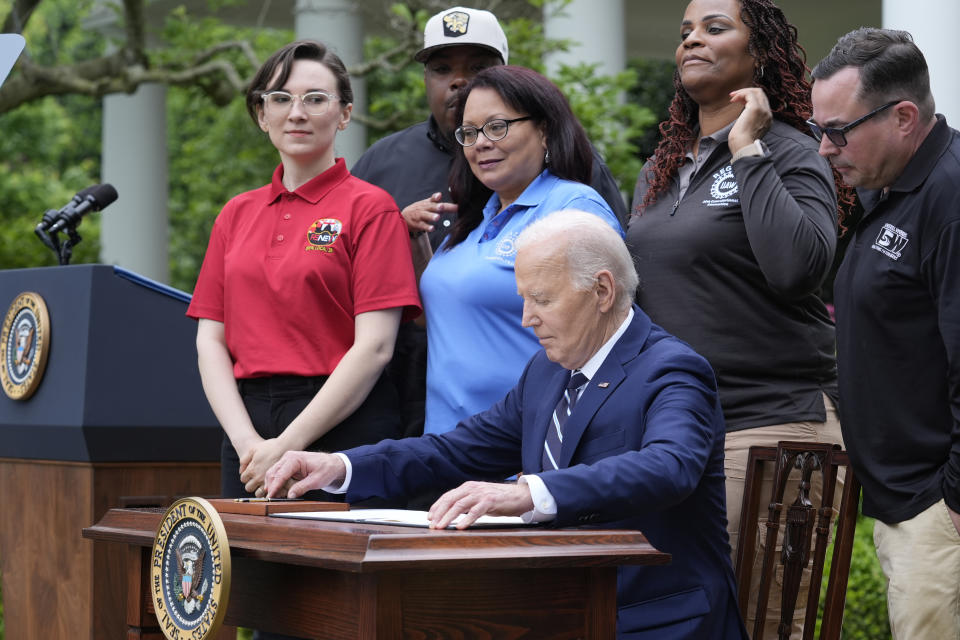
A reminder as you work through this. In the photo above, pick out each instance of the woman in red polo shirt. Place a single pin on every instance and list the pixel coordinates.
(303, 285)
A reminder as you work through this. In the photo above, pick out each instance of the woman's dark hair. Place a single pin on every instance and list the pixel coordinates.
(283, 59)
(530, 94)
(781, 70)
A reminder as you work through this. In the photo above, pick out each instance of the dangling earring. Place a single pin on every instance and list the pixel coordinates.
(760, 75)
(546, 158)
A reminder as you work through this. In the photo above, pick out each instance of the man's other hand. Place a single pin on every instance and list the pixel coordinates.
(475, 499)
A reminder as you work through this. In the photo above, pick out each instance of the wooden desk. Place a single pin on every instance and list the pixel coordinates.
(342, 580)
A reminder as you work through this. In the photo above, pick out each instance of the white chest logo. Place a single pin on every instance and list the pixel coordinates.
(724, 189)
(891, 241)
(507, 247)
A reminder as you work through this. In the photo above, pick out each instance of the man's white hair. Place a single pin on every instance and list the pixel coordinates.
(590, 245)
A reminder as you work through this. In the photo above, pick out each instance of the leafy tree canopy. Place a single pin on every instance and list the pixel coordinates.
(81, 50)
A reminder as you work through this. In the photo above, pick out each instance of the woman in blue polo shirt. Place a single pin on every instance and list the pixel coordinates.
(523, 155)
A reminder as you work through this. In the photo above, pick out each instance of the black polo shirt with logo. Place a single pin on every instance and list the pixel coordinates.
(733, 268)
(897, 297)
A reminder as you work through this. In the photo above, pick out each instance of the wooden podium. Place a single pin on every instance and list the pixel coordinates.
(335, 580)
(119, 419)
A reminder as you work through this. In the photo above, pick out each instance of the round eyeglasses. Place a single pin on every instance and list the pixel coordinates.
(492, 131)
(838, 135)
(316, 103)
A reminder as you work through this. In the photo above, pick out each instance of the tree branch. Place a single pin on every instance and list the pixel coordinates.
(129, 66)
(19, 15)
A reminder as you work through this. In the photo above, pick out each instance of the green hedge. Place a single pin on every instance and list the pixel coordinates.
(865, 612)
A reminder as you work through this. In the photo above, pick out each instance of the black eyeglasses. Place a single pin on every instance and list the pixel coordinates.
(493, 131)
(838, 135)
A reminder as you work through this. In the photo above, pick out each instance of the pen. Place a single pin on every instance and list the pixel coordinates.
(266, 499)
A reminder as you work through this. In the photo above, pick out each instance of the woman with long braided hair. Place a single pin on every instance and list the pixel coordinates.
(734, 230)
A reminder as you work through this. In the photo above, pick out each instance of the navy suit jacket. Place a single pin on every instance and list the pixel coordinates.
(643, 449)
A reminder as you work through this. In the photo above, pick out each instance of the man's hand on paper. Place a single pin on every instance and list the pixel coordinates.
(300, 471)
(475, 499)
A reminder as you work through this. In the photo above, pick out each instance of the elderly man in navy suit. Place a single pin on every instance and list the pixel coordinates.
(614, 422)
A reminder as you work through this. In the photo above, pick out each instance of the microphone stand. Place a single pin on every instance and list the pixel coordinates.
(41, 230)
(73, 239)
(63, 250)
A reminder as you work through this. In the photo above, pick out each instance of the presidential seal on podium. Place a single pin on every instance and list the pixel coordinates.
(24, 345)
(190, 571)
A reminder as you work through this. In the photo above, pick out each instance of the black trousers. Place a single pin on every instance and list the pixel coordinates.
(272, 403)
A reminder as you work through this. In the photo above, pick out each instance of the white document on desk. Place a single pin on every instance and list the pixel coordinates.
(401, 517)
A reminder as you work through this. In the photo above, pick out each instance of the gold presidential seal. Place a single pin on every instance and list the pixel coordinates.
(190, 571)
(24, 345)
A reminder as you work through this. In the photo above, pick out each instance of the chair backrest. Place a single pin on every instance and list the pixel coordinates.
(798, 518)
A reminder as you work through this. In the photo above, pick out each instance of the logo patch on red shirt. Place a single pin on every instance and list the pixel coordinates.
(323, 233)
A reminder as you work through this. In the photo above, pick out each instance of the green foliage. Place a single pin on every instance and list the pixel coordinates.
(215, 152)
(613, 124)
(46, 156)
(55, 34)
(654, 89)
(865, 611)
(396, 97)
(49, 149)
(201, 181)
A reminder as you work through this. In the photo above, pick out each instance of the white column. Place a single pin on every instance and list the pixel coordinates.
(596, 30)
(133, 232)
(339, 25)
(933, 24)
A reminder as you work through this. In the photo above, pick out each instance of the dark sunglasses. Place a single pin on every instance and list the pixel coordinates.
(838, 135)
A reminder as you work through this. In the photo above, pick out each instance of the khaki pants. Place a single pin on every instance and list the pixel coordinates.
(921, 559)
(736, 451)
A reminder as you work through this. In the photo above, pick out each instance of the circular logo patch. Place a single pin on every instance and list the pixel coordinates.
(507, 245)
(190, 571)
(324, 232)
(724, 184)
(24, 345)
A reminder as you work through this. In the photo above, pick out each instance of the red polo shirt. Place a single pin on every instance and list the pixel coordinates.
(286, 272)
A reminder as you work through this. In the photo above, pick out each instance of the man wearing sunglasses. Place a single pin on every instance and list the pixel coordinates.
(897, 295)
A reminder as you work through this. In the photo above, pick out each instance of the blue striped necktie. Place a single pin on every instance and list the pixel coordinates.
(554, 440)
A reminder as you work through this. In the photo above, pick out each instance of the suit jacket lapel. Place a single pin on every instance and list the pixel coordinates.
(610, 372)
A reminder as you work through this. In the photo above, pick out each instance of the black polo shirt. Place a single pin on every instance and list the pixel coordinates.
(897, 297)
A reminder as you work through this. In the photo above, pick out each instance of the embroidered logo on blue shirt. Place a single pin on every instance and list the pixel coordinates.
(506, 249)
(891, 241)
(723, 189)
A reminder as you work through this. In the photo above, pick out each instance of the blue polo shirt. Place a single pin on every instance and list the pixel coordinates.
(476, 348)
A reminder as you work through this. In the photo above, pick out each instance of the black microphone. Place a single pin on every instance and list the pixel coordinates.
(92, 198)
(50, 215)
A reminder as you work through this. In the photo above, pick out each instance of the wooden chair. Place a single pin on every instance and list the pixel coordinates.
(799, 548)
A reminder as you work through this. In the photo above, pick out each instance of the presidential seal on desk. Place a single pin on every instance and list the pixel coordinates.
(24, 345)
(190, 571)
